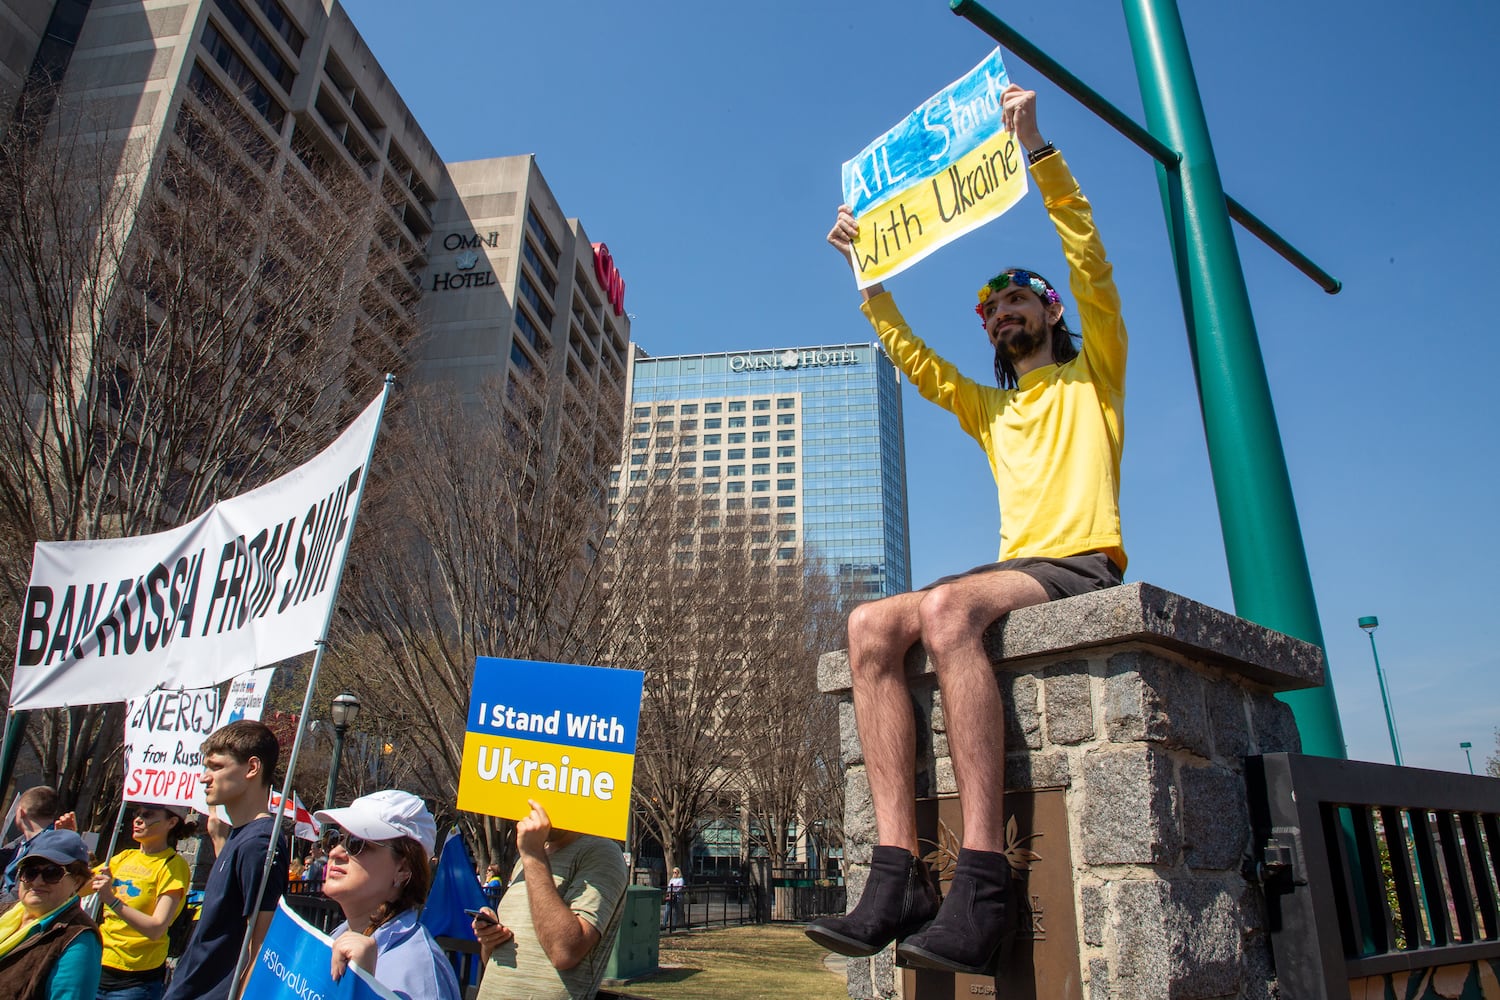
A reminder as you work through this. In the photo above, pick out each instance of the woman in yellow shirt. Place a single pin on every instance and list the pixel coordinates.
(142, 890)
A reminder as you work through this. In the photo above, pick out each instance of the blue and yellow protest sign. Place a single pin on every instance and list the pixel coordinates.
(295, 963)
(947, 168)
(555, 732)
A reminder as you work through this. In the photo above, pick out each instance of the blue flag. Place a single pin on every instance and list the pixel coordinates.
(454, 889)
(294, 963)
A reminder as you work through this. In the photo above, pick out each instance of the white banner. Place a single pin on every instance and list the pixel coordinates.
(247, 697)
(164, 734)
(246, 584)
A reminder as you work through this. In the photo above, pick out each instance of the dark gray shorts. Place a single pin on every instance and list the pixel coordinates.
(1060, 578)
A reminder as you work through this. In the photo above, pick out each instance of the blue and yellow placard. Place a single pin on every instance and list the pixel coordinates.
(947, 168)
(555, 732)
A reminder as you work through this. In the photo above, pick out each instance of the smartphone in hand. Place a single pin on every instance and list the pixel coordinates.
(480, 917)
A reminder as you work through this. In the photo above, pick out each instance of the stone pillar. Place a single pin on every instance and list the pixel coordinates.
(1128, 715)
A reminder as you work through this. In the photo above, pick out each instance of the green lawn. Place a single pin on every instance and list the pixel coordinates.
(765, 962)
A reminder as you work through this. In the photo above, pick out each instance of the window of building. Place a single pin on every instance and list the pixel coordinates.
(638, 459)
(736, 406)
(764, 420)
(761, 469)
(662, 475)
(736, 453)
(712, 438)
(760, 503)
(760, 404)
(686, 472)
(786, 484)
(786, 518)
(786, 403)
(637, 475)
(785, 553)
(690, 425)
(784, 467)
(736, 421)
(689, 440)
(614, 475)
(710, 504)
(736, 470)
(534, 223)
(736, 486)
(762, 485)
(786, 451)
(786, 418)
(786, 435)
(737, 438)
(786, 501)
(642, 428)
(686, 456)
(711, 455)
(666, 410)
(760, 520)
(663, 457)
(760, 536)
(786, 536)
(666, 425)
(711, 471)
(641, 411)
(688, 409)
(735, 503)
(760, 453)
(760, 435)
(710, 488)
(534, 299)
(713, 423)
(713, 407)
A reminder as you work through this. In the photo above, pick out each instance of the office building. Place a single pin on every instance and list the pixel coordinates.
(493, 279)
(807, 441)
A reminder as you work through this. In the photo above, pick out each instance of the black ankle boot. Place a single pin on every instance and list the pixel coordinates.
(898, 898)
(971, 926)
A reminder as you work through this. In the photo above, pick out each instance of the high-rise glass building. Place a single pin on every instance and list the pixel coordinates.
(805, 440)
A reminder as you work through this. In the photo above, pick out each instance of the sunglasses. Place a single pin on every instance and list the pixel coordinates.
(50, 874)
(353, 845)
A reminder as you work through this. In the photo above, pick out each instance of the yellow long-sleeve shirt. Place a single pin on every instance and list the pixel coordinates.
(1054, 442)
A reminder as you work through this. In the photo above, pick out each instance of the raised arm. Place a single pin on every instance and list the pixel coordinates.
(841, 238)
(1090, 274)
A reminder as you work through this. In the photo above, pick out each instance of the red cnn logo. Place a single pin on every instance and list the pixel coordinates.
(609, 278)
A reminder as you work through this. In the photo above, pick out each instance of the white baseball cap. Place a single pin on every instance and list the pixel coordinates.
(386, 815)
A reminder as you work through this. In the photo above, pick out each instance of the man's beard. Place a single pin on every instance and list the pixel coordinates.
(1021, 344)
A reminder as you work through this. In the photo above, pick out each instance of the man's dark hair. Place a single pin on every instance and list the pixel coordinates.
(245, 739)
(42, 804)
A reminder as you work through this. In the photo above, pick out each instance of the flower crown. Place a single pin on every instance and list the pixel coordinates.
(1020, 278)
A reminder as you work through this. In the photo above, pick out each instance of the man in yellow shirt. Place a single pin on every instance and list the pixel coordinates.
(1053, 432)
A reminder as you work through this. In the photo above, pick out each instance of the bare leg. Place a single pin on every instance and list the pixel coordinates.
(880, 634)
(953, 618)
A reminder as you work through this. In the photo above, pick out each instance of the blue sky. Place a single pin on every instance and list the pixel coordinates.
(703, 143)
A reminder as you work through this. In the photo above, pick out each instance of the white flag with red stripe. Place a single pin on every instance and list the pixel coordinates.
(308, 827)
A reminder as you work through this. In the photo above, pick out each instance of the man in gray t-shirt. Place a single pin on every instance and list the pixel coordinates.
(556, 926)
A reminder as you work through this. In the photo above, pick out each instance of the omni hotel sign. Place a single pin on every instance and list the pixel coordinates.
(811, 357)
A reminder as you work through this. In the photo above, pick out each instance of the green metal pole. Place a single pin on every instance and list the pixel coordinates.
(1369, 623)
(1263, 543)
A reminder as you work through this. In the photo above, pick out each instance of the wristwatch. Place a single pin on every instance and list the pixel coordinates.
(1040, 153)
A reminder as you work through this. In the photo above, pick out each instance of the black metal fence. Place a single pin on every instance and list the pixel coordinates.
(1373, 872)
(800, 894)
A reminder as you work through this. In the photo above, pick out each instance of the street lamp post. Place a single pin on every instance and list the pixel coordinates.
(345, 710)
(1466, 746)
(1370, 623)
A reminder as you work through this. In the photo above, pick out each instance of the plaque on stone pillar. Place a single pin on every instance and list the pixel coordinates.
(1043, 961)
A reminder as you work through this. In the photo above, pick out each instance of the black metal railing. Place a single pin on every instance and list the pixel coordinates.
(800, 894)
(1372, 870)
(698, 907)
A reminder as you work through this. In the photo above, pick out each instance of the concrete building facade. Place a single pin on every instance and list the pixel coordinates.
(505, 281)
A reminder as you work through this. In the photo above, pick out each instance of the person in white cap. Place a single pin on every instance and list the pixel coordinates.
(141, 892)
(379, 875)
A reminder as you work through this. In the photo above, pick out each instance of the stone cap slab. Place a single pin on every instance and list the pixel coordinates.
(1131, 613)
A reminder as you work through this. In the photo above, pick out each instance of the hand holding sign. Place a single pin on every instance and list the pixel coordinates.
(1018, 112)
(947, 168)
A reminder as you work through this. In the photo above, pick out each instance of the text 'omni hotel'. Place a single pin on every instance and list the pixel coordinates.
(805, 442)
